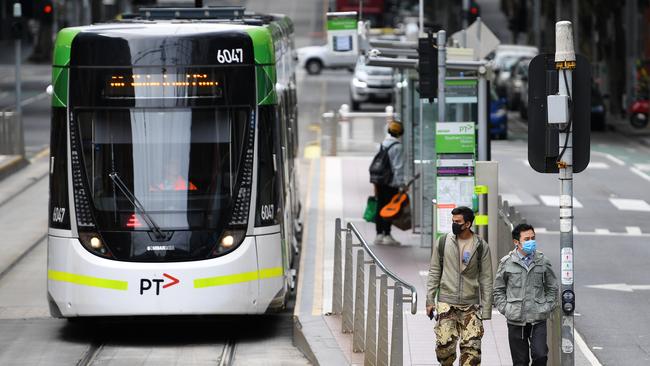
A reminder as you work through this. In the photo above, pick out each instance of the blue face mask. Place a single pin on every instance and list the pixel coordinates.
(529, 246)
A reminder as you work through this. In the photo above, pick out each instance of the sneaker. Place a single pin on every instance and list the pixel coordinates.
(389, 240)
(379, 240)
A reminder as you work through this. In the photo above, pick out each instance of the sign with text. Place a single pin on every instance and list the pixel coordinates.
(455, 137)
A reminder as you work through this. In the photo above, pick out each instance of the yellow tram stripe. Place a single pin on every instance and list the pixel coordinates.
(238, 278)
(87, 280)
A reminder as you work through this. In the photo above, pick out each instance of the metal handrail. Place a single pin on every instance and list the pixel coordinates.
(393, 276)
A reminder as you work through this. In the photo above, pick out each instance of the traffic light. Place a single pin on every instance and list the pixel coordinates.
(428, 67)
(45, 11)
(473, 12)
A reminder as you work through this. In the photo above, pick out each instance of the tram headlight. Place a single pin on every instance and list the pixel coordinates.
(93, 242)
(229, 240)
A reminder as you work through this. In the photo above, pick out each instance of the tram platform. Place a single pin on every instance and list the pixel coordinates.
(338, 187)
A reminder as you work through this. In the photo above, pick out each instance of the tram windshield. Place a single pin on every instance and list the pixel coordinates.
(180, 165)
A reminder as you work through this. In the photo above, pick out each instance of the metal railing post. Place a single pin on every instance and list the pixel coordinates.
(348, 299)
(382, 336)
(359, 293)
(396, 344)
(370, 357)
(336, 283)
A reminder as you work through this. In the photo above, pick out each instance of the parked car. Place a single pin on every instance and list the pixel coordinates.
(518, 78)
(498, 116)
(502, 59)
(371, 84)
(316, 58)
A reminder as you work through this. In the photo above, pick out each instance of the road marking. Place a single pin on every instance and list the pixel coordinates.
(623, 287)
(33, 99)
(602, 231)
(593, 233)
(633, 230)
(597, 165)
(640, 174)
(625, 204)
(585, 350)
(614, 159)
(554, 201)
(312, 150)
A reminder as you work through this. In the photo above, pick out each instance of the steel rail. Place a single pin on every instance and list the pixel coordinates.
(393, 276)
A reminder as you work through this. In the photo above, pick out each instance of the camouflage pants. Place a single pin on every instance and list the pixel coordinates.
(456, 322)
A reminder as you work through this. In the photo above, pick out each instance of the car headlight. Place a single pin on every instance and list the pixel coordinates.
(499, 113)
(358, 83)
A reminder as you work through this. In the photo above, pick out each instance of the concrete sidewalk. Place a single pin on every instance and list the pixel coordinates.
(338, 187)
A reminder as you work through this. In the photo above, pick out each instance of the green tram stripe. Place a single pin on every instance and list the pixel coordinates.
(87, 280)
(62, 48)
(238, 278)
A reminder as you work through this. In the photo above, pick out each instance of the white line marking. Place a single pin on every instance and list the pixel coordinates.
(597, 165)
(575, 230)
(602, 231)
(554, 201)
(593, 233)
(585, 350)
(642, 166)
(34, 99)
(512, 199)
(633, 230)
(630, 204)
(640, 174)
(614, 159)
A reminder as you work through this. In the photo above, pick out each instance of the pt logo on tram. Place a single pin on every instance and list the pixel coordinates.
(147, 284)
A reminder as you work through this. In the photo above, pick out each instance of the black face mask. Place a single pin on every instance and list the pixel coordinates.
(456, 228)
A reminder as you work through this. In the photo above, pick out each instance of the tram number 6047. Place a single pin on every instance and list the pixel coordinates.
(230, 56)
(267, 212)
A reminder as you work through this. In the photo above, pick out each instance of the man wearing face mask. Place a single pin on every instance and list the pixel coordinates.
(525, 292)
(460, 277)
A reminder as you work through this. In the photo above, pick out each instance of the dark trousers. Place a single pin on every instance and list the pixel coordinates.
(530, 337)
(384, 195)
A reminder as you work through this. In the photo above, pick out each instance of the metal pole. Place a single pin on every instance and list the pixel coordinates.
(442, 70)
(421, 17)
(359, 293)
(382, 337)
(396, 345)
(465, 21)
(348, 299)
(565, 63)
(18, 13)
(537, 11)
(482, 116)
(370, 355)
(336, 282)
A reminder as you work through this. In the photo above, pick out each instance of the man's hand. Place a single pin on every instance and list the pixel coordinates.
(429, 310)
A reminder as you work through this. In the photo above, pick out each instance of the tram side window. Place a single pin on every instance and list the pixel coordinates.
(268, 171)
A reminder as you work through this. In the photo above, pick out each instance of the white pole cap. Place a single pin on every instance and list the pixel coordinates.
(18, 10)
(564, 50)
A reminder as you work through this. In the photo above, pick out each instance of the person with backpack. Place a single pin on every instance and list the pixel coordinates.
(387, 174)
(460, 277)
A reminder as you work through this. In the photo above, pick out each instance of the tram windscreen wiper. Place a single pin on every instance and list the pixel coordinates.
(134, 201)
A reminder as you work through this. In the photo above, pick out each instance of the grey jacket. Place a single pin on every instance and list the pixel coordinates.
(525, 295)
(461, 288)
(396, 155)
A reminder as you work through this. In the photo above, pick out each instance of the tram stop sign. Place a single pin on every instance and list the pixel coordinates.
(543, 138)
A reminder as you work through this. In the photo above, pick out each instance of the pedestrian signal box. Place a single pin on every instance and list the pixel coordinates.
(543, 138)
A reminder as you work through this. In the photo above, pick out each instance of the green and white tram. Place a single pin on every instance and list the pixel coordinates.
(172, 181)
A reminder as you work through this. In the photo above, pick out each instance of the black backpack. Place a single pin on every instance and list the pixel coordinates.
(380, 169)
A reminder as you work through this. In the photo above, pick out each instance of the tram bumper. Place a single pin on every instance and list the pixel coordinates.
(82, 284)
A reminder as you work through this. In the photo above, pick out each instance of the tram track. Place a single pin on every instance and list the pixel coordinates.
(22, 256)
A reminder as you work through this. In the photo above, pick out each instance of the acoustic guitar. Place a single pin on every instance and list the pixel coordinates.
(399, 200)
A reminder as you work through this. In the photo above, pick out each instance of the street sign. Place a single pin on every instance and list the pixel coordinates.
(543, 139)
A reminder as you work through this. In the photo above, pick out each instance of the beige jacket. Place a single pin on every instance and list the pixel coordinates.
(461, 288)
